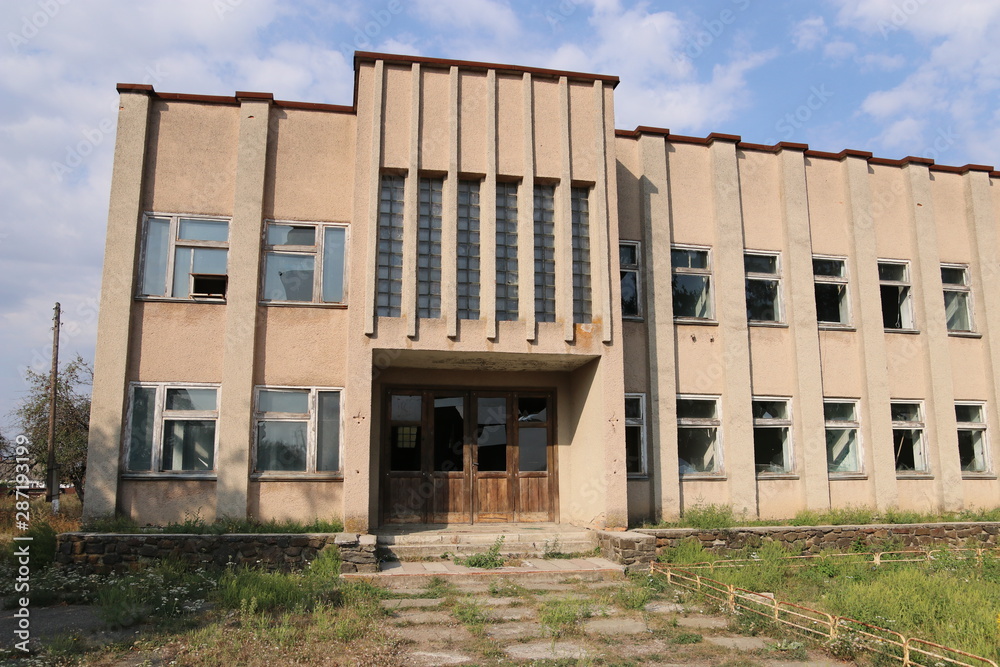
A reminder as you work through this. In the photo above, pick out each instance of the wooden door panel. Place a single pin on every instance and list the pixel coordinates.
(407, 499)
(533, 498)
(493, 499)
(451, 499)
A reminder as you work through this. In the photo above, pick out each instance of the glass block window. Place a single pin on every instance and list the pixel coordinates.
(467, 260)
(582, 306)
(429, 248)
(389, 269)
(545, 253)
(506, 252)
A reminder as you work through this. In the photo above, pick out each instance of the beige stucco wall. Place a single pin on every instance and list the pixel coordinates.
(298, 500)
(163, 501)
(302, 347)
(177, 342)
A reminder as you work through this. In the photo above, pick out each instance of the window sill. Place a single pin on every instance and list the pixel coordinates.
(297, 477)
(203, 477)
(911, 332)
(777, 475)
(704, 477)
(829, 326)
(767, 325)
(170, 299)
(836, 476)
(696, 321)
(965, 334)
(914, 475)
(302, 304)
(979, 475)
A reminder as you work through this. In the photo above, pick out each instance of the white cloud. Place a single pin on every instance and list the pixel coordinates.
(902, 134)
(809, 33)
(839, 50)
(486, 15)
(881, 61)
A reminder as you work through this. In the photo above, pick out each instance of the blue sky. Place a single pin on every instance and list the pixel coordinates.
(894, 77)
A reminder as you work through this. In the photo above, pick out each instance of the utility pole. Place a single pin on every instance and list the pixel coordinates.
(52, 485)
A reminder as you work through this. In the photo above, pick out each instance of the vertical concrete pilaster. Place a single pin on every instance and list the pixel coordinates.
(876, 422)
(411, 199)
(564, 219)
(730, 308)
(658, 313)
(488, 215)
(604, 235)
(809, 436)
(525, 216)
(449, 215)
(236, 394)
(372, 176)
(121, 252)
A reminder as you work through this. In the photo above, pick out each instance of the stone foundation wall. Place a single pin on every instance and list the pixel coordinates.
(105, 552)
(632, 549)
(813, 539)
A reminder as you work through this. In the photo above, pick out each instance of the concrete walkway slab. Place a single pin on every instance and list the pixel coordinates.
(515, 631)
(664, 607)
(411, 603)
(615, 626)
(511, 613)
(423, 617)
(740, 643)
(702, 622)
(440, 634)
(547, 651)
(440, 658)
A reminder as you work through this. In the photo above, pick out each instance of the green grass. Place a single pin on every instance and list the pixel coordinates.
(271, 591)
(489, 560)
(563, 616)
(195, 525)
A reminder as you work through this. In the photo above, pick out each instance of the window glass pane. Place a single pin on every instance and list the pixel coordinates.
(688, 259)
(291, 235)
(333, 264)
(154, 272)
(209, 260)
(532, 448)
(831, 303)
(288, 277)
(760, 264)
(842, 450)
(532, 409)
(956, 310)
(908, 446)
(182, 273)
(833, 268)
(281, 446)
(691, 296)
(696, 450)
(633, 407)
(905, 412)
(630, 293)
(406, 408)
(140, 446)
(971, 451)
(895, 272)
(762, 300)
(449, 433)
(190, 399)
(404, 448)
(203, 230)
(189, 445)
(276, 400)
(628, 255)
(769, 449)
(697, 408)
(952, 276)
(328, 432)
(770, 409)
(896, 312)
(839, 411)
(969, 413)
(491, 434)
(633, 450)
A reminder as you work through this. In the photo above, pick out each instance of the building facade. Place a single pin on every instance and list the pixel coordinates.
(468, 298)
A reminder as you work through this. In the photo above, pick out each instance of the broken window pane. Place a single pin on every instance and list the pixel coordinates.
(896, 307)
(281, 446)
(154, 275)
(762, 300)
(291, 235)
(769, 449)
(405, 408)
(956, 309)
(191, 399)
(288, 277)
(696, 450)
(770, 409)
(831, 303)
(697, 408)
(842, 450)
(908, 446)
(971, 450)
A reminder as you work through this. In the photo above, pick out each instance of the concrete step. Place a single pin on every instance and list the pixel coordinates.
(527, 573)
(527, 549)
(436, 544)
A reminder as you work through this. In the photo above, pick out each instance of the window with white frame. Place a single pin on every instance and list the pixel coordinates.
(635, 435)
(628, 260)
(772, 426)
(843, 437)
(763, 286)
(304, 262)
(692, 282)
(698, 435)
(172, 428)
(908, 444)
(957, 297)
(972, 448)
(830, 280)
(185, 257)
(897, 301)
(297, 430)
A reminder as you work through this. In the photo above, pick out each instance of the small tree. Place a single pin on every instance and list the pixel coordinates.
(72, 419)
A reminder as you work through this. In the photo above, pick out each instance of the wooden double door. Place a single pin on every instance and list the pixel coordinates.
(468, 456)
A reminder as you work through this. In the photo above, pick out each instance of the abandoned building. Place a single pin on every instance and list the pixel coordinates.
(468, 298)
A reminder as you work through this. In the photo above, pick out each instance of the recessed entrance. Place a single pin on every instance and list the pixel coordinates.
(468, 456)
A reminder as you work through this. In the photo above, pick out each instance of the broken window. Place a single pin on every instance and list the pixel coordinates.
(957, 297)
(172, 428)
(582, 306)
(468, 255)
(185, 257)
(297, 430)
(908, 437)
(628, 261)
(763, 287)
(972, 448)
(897, 303)
(545, 253)
(830, 280)
(772, 435)
(691, 283)
(506, 252)
(635, 435)
(698, 424)
(843, 448)
(304, 262)
(389, 260)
